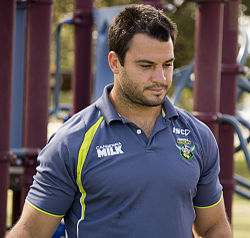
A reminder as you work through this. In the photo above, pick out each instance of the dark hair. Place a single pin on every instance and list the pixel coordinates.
(139, 18)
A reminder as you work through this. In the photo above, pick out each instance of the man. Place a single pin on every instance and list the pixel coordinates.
(130, 165)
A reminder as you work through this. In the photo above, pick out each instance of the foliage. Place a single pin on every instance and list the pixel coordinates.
(183, 14)
(184, 44)
(62, 9)
(110, 3)
(184, 17)
(246, 7)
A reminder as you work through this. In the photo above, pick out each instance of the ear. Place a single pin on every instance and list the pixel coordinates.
(113, 62)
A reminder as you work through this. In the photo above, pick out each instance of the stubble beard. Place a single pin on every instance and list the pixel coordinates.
(132, 95)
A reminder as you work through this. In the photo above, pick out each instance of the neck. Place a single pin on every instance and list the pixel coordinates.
(143, 116)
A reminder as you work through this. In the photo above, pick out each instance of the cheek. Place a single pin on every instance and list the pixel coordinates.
(169, 76)
(137, 76)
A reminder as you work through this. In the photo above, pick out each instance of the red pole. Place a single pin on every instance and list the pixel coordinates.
(7, 15)
(228, 98)
(37, 78)
(81, 83)
(208, 51)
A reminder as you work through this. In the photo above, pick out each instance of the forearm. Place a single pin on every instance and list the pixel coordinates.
(19, 231)
(212, 222)
(34, 224)
(217, 231)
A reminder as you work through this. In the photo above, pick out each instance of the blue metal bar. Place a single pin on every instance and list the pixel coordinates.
(242, 181)
(18, 76)
(182, 80)
(235, 123)
(57, 107)
(243, 52)
(245, 124)
(242, 192)
(243, 84)
(103, 74)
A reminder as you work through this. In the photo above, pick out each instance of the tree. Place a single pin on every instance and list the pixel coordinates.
(246, 7)
(62, 9)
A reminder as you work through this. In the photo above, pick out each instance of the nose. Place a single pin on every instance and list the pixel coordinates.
(158, 75)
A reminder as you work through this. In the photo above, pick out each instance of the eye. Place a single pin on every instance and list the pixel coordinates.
(167, 65)
(145, 66)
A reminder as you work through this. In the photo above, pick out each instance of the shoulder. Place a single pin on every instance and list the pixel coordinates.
(199, 128)
(78, 124)
(202, 133)
(69, 137)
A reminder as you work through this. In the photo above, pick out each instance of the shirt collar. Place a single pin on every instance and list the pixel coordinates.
(168, 109)
(105, 106)
(109, 113)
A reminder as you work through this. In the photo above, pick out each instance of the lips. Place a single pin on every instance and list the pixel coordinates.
(157, 89)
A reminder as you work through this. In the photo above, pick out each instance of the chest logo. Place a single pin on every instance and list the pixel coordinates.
(185, 148)
(108, 150)
(180, 131)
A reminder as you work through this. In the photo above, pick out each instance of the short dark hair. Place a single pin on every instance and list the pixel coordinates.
(135, 19)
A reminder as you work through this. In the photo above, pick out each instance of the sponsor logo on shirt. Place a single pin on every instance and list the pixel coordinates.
(185, 148)
(109, 150)
(180, 131)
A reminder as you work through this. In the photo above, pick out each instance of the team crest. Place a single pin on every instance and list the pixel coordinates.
(186, 150)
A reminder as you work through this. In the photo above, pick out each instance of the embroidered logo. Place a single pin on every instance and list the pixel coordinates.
(186, 150)
(180, 131)
(108, 150)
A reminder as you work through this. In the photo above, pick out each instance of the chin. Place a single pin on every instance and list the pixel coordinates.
(158, 101)
(154, 103)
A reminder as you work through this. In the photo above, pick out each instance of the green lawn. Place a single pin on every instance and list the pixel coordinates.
(241, 206)
(241, 217)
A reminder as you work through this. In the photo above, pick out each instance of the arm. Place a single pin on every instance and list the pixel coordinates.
(212, 222)
(34, 223)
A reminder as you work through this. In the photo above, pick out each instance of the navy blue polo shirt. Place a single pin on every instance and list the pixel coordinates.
(107, 179)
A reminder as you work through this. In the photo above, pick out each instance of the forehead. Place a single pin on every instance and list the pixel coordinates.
(143, 46)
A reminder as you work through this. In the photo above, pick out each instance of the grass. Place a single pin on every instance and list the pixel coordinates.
(241, 217)
(241, 206)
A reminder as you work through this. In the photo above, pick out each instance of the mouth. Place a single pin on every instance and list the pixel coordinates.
(157, 89)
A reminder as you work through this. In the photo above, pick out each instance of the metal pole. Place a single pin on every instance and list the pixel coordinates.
(18, 76)
(7, 15)
(37, 77)
(208, 51)
(37, 73)
(81, 83)
(228, 98)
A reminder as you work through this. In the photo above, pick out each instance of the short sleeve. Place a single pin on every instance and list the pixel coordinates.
(54, 185)
(209, 189)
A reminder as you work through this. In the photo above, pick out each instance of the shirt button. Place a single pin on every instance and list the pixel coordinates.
(138, 131)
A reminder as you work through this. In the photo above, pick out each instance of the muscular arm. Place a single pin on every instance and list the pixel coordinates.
(212, 222)
(35, 224)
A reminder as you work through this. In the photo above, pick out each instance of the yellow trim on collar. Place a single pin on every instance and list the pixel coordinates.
(163, 113)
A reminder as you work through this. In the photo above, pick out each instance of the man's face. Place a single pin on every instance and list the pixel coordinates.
(147, 73)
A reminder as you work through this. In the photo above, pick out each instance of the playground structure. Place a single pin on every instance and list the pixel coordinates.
(217, 67)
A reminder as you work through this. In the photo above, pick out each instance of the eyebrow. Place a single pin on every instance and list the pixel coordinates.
(151, 62)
